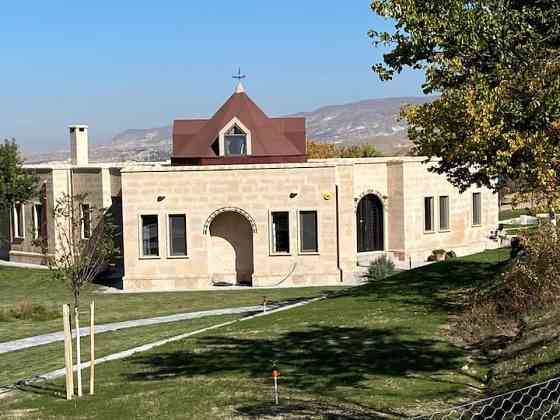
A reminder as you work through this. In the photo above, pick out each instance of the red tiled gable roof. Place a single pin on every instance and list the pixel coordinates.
(269, 136)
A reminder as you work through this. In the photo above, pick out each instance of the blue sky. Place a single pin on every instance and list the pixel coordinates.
(138, 64)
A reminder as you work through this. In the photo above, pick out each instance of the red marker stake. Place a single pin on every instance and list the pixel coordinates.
(275, 375)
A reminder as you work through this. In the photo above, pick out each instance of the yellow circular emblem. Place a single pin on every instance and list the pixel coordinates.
(327, 196)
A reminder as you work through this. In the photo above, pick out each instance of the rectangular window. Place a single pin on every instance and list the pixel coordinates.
(280, 232)
(477, 209)
(444, 212)
(38, 221)
(150, 236)
(235, 145)
(429, 214)
(308, 231)
(177, 235)
(18, 221)
(86, 221)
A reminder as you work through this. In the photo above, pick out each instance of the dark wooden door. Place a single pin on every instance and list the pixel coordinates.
(369, 224)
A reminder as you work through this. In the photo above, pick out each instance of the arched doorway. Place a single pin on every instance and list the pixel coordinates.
(369, 224)
(231, 248)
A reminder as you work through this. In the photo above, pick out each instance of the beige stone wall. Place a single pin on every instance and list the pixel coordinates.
(347, 245)
(462, 237)
(257, 190)
(98, 185)
(402, 184)
(199, 192)
(396, 229)
(89, 181)
(115, 179)
(29, 249)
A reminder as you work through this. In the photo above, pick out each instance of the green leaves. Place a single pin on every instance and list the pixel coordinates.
(78, 259)
(16, 184)
(496, 64)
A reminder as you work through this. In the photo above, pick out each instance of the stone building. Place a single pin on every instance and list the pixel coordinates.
(241, 204)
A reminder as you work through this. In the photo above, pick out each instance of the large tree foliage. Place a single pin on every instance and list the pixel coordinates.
(16, 184)
(496, 66)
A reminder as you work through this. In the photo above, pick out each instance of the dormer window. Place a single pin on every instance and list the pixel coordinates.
(234, 139)
(235, 142)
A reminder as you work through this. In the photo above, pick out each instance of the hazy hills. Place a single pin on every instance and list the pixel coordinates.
(372, 121)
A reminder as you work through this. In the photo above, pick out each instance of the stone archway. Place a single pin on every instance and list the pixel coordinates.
(230, 248)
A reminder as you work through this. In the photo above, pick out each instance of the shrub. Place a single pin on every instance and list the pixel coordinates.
(517, 247)
(27, 310)
(437, 255)
(450, 255)
(530, 283)
(534, 278)
(380, 268)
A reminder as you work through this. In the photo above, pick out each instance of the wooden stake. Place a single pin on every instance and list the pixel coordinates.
(68, 352)
(92, 347)
(276, 390)
(78, 354)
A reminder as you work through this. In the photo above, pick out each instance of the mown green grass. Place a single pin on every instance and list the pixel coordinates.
(18, 365)
(37, 287)
(383, 348)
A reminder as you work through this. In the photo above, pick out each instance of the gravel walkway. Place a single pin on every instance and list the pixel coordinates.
(40, 340)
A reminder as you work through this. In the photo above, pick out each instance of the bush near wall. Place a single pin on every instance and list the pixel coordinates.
(381, 268)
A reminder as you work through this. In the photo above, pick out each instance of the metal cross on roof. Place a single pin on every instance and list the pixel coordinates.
(239, 76)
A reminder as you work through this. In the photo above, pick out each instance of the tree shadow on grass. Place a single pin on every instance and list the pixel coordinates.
(308, 409)
(42, 388)
(316, 360)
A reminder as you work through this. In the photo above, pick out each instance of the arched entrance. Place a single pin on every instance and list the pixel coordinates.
(231, 248)
(369, 224)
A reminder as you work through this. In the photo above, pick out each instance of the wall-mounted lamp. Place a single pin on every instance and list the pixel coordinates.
(160, 198)
(293, 195)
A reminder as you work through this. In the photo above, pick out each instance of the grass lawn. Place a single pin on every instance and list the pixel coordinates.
(22, 364)
(36, 286)
(381, 348)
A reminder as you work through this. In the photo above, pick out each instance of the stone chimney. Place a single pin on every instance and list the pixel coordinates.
(79, 144)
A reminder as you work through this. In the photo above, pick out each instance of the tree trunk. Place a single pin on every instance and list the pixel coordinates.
(78, 355)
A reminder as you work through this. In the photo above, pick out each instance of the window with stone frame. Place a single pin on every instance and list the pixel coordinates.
(150, 235)
(444, 212)
(177, 235)
(38, 221)
(476, 209)
(85, 214)
(280, 232)
(308, 231)
(18, 221)
(428, 214)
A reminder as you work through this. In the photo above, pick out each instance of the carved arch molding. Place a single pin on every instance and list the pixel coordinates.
(216, 213)
(370, 192)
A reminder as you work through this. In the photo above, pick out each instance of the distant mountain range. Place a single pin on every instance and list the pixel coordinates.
(372, 121)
